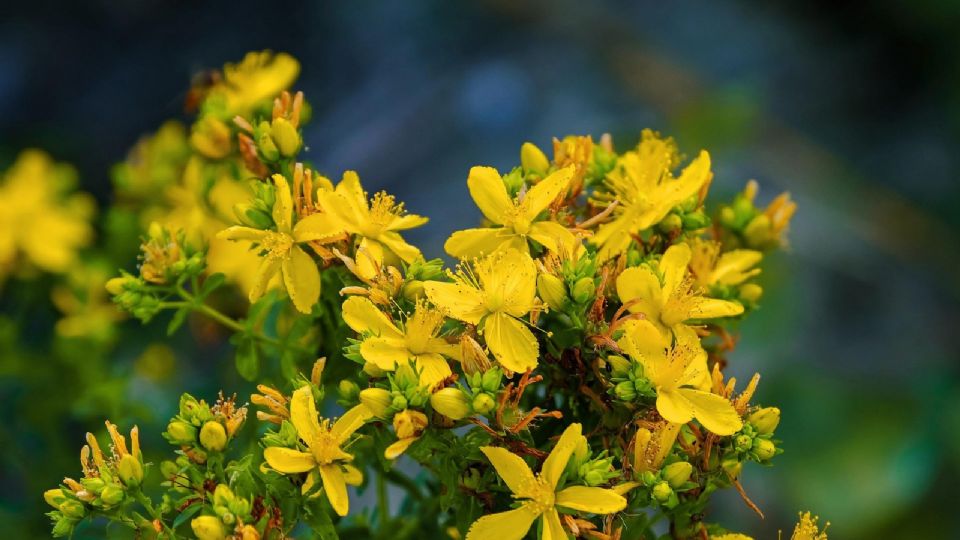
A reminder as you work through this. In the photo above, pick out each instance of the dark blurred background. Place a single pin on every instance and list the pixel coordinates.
(853, 108)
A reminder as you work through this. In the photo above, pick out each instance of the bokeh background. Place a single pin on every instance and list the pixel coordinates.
(853, 108)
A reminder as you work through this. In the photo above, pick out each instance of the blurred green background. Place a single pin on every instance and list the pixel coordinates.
(854, 109)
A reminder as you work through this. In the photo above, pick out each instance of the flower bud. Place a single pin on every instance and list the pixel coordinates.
(695, 220)
(285, 136)
(583, 289)
(213, 436)
(169, 469)
(111, 494)
(377, 400)
(677, 474)
(751, 292)
(399, 402)
(116, 285)
(758, 232)
(222, 495)
(490, 381)
(451, 402)
(252, 216)
(189, 407)
(625, 391)
(670, 223)
(732, 467)
(742, 442)
(75, 509)
(413, 290)
(180, 432)
(54, 497)
(208, 528)
(249, 532)
(372, 370)
(594, 478)
(130, 470)
(552, 290)
(348, 389)
(532, 159)
(764, 449)
(93, 484)
(409, 423)
(268, 148)
(661, 492)
(765, 420)
(211, 137)
(405, 376)
(483, 403)
(619, 366)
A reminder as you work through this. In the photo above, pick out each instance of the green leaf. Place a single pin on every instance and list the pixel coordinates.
(319, 521)
(178, 319)
(248, 361)
(187, 514)
(210, 284)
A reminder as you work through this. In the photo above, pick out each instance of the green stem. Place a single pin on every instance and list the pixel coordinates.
(383, 504)
(148, 506)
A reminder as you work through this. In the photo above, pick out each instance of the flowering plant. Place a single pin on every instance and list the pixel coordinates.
(564, 379)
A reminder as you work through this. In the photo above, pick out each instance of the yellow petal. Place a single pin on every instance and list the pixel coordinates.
(515, 472)
(556, 462)
(512, 343)
(539, 197)
(710, 308)
(401, 248)
(471, 243)
(303, 414)
(733, 267)
(385, 353)
(511, 275)
(456, 300)
(396, 449)
(369, 257)
(283, 205)
(241, 233)
(354, 197)
(552, 235)
(301, 279)
(352, 475)
(344, 214)
(552, 528)
(641, 284)
(268, 268)
(362, 315)
(591, 499)
(288, 461)
(316, 227)
(351, 421)
(673, 406)
(643, 342)
(510, 525)
(673, 266)
(716, 413)
(310, 481)
(335, 486)
(489, 193)
(406, 221)
(434, 368)
(695, 373)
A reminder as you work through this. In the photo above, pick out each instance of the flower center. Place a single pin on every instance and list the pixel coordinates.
(326, 448)
(277, 245)
(541, 495)
(383, 210)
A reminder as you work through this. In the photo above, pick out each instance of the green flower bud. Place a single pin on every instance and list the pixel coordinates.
(765, 420)
(413, 290)
(483, 403)
(661, 492)
(677, 474)
(743, 442)
(251, 216)
(406, 377)
(213, 436)
(222, 495)
(764, 449)
(451, 402)
(751, 292)
(285, 136)
(74, 509)
(378, 400)
(130, 470)
(208, 528)
(648, 478)
(399, 402)
(625, 391)
(94, 485)
(758, 232)
(594, 478)
(583, 290)
(228, 518)
(732, 467)
(470, 479)
(116, 285)
(373, 370)
(695, 220)
(532, 159)
(63, 527)
(179, 432)
(268, 148)
(670, 224)
(348, 390)
(619, 366)
(552, 290)
(490, 381)
(169, 469)
(112, 494)
(55, 497)
(189, 407)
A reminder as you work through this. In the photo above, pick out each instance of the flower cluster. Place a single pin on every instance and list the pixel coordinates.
(565, 378)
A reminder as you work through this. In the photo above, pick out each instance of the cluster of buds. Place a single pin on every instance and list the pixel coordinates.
(755, 441)
(230, 513)
(631, 385)
(747, 226)
(270, 141)
(592, 470)
(107, 480)
(663, 486)
(401, 403)
(200, 429)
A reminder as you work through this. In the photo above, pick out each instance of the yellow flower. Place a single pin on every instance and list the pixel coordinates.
(85, 304)
(501, 288)
(281, 253)
(807, 528)
(710, 267)
(408, 425)
(673, 371)
(388, 345)
(670, 303)
(643, 185)
(517, 218)
(375, 223)
(259, 77)
(39, 221)
(538, 495)
(324, 441)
